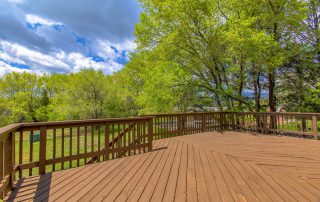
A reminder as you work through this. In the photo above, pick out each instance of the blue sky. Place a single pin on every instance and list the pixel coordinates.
(63, 36)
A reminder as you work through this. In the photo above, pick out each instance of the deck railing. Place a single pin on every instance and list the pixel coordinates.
(37, 148)
(295, 124)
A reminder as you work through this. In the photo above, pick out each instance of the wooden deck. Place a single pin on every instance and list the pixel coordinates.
(210, 166)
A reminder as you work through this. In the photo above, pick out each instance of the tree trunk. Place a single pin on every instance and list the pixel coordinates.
(272, 97)
(257, 90)
(241, 81)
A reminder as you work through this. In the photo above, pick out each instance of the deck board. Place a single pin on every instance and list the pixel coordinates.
(211, 166)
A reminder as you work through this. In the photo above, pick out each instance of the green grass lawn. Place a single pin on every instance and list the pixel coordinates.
(296, 126)
(67, 149)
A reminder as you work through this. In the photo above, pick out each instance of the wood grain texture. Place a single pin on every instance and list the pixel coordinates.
(211, 166)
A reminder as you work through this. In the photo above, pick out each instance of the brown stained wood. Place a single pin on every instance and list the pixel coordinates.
(89, 180)
(150, 134)
(181, 187)
(62, 147)
(78, 145)
(127, 179)
(8, 164)
(99, 141)
(31, 151)
(70, 146)
(231, 162)
(106, 142)
(113, 140)
(315, 127)
(85, 141)
(20, 151)
(92, 142)
(43, 150)
(113, 180)
(1, 167)
(212, 166)
(54, 148)
(162, 182)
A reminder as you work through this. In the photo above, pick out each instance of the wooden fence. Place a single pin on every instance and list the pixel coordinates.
(37, 148)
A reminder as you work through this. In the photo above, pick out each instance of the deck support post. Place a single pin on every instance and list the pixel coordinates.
(42, 153)
(315, 127)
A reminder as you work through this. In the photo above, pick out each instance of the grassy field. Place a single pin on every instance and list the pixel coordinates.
(73, 150)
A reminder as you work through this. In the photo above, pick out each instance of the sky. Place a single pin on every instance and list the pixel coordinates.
(63, 36)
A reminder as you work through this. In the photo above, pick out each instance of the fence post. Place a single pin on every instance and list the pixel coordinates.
(42, 153)
(203, 122)
(150, 134)
(106, 142)
(315, 127)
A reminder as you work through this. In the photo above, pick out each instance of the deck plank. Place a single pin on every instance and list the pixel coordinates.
(211, 166)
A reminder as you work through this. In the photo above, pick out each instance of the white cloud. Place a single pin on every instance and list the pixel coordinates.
(78, 62)
(104, 48)
(33, 58)
(6, 57)
(86, 30)
(128, 45)
(34, 19)
(52, 62)
(5, 68)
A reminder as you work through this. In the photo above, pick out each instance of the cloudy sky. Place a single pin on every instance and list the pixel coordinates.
(64, 36)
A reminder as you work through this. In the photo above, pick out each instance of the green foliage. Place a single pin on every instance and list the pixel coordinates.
(191, 56)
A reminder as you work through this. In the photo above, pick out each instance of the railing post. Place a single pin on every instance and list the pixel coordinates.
(106, 142)
(221, 121)
(179, 119)
(234, 121)
(150, 134)
(1, 167)
(8, 162)
(315, 127)
(43, 150)
(203, 122)
(265, 123)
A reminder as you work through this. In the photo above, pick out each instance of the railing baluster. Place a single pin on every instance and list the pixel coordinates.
(42, 152)
(78, 145)
(31, 151)
(85, 143)
(54, 147)
(99, 132)
(70, 144)
(92, 141)
(150, 134)
(106, 142)
(20, 151)
(62, 148)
